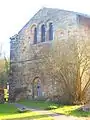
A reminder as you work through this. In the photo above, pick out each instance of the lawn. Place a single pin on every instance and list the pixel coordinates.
(9, 112)
(38, 104)
(62, 109)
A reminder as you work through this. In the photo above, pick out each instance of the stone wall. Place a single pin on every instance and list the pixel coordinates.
(30, 61)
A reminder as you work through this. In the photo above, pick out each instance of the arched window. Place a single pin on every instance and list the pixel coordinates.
(35, 35)
(50, 31)
(43, 33)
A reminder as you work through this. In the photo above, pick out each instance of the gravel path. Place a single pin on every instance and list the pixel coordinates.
(54, 115)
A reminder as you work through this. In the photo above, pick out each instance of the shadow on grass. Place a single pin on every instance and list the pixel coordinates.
(39, 104)
(7, 109)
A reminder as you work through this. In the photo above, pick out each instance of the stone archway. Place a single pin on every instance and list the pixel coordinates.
(36, 88)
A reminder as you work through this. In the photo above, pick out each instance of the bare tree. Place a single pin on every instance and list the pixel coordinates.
(71, 60)
(67, 61)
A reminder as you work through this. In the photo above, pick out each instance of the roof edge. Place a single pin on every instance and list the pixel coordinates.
(77, 13)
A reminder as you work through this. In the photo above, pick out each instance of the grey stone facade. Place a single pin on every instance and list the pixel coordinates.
(26, 58)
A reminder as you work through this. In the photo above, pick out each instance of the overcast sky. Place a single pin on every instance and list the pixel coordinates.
(15, 13)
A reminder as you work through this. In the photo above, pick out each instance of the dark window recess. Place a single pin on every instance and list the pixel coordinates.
(35, 36)
(43, 33)
(50, 31)
(11, 54)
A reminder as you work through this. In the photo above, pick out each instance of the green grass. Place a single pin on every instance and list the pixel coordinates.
(26, 116)
(62, 109)
(72, 110)
(9, 112)
(38, 104)
(6, 109)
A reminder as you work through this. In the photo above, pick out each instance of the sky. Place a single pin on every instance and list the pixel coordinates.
(14, 14)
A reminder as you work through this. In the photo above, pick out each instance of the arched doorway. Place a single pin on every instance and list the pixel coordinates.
(36, 87)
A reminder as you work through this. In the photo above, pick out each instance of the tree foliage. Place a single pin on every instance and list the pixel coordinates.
(4, 70)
